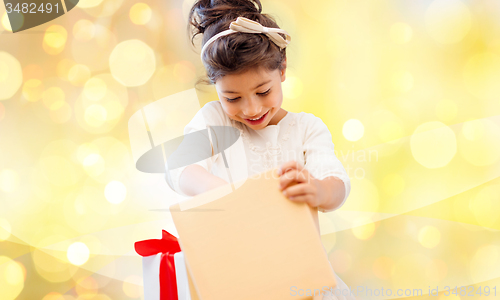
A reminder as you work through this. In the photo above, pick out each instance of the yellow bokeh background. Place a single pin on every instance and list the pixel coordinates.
(410, 91)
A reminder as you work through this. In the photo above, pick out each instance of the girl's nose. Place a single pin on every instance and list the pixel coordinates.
(252, 108)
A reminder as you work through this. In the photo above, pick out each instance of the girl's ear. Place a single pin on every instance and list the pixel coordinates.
(283, 72)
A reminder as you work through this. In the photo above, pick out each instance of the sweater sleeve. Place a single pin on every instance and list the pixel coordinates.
(210, 114)
(319, 154)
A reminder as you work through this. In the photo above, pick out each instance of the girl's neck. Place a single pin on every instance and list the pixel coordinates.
(278, 116)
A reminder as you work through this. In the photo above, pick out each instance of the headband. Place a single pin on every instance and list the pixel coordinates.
(243, 24)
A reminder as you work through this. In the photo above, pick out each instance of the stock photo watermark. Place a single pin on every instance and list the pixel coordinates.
(24, 15)
(364, 291)
(326, 162)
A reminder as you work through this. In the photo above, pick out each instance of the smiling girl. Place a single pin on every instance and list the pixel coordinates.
(244, 54)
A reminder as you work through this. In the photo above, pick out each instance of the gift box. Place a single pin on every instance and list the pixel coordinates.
(165, 275)
(252, 243)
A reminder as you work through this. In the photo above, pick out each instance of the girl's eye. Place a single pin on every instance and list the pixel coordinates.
(232, 100)
(262, 94)
(265, 93)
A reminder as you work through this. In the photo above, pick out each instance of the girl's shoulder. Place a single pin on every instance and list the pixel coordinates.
(308, 120)
(214, 114)
(310, 125)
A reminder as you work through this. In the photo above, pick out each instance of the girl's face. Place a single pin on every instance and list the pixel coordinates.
(252, 95)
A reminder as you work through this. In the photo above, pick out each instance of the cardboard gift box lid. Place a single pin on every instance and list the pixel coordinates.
(251, 243)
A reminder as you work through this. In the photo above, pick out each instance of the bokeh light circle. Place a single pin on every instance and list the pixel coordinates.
(95, 89)
(6, 22)
(140, 13)
(448, 21)
(479, 142)
(364, 228)
(54, 39)
(78, 74)
(94, 164)
(78, 253)
(33, 89)
(11, 75)
(105, 159)
(11, 278)
(95, 115)
(132, 63)
(115, 192)
(433, 144)
(353, 130)
(429, 236)
(101, 105)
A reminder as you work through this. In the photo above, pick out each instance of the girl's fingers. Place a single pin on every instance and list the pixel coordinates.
(290, 177)
(288, 166)
(298, 189)
(298, 176)
(287, 178)
(307, 198)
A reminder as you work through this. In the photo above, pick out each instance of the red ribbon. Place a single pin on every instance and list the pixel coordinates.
(167, 246)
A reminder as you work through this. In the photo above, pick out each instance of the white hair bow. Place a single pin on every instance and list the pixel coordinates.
(246, 25)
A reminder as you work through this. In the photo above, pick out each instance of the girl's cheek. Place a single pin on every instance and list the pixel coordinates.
(228, 110)
(233, 111)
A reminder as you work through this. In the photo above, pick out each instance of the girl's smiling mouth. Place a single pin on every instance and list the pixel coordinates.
(257, 121)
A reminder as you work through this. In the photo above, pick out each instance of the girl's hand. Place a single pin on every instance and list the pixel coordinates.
(298, 185)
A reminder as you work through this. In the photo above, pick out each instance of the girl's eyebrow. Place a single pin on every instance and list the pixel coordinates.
(230, 92)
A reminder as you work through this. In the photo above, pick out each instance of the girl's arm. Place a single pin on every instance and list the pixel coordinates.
(297, 184)
(195, 180)
(333, 193)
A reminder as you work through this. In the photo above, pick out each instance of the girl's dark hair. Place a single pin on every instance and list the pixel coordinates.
(237, 52)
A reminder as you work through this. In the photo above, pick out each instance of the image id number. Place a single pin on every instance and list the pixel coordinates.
(470, 291)
(30, 8)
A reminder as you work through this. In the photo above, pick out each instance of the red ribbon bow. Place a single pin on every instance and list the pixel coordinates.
(167, 246)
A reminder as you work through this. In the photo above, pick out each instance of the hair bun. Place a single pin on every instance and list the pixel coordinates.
(207, 12)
